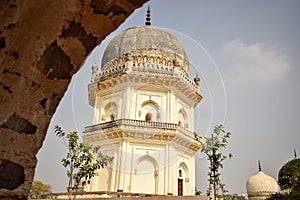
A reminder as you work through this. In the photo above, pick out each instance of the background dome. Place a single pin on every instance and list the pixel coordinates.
(261, 182)
(142, 37)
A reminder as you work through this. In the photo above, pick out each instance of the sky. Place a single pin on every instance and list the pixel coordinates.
(247, 56)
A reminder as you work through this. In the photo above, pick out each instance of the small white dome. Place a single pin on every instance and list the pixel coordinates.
(260, 185)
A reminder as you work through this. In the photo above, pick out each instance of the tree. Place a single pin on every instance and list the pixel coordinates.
(289, 175)
(212, 147)
(293, 195)
(39, 190)
(82, 161)
(289, 181)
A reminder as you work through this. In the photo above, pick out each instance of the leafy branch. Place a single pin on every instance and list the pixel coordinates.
(82, 161)
(213, 147)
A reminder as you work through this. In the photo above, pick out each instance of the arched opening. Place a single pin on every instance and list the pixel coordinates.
(148, 117)
(110, 112)
(145, 169)
(182, 118)
(183, 179)
(112, 117)
(149, 111)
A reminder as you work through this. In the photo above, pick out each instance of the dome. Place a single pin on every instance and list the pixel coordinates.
(139, 38)
(261, 183)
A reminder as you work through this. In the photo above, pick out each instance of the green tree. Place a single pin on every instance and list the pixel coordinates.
(82, 161)
(39, 190)
(212, 147)
(293, 195)
(289, 175)
(289, 181)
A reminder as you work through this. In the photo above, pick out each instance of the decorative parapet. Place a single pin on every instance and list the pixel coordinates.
(110, 73)
(153, 56)
(146, 69)
(150, 73)
(129, 128)
(152, 66)
(131, 124)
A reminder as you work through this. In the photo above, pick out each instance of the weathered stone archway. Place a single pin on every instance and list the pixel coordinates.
(42, 44)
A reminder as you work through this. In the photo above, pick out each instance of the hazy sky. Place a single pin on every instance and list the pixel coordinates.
(247, 55)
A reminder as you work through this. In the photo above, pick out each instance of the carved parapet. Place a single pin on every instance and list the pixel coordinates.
(136, 124)
(150, 56)
(139, 129)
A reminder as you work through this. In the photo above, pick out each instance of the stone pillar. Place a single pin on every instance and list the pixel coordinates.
(170, 170)
(122, 166)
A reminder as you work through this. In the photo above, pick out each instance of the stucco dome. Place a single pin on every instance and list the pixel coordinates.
(261, 183)
(143, 38)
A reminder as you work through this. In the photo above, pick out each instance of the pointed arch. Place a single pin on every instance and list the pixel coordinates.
(150, 102)
(185, 168)
(145, 169)
(182, 118)
(147, 158)
(111, 110)
(183, 178)
(149, 111)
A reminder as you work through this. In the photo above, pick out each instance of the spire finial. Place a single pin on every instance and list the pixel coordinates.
(148, 19)
(295, 153)
(259, 166)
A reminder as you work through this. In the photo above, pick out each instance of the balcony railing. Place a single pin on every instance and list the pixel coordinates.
(146, 68)
(132, 124)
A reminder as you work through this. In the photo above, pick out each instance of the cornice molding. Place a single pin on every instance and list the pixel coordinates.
(141, 130)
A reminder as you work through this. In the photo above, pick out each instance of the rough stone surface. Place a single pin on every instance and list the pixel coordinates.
(14, 174)
(42, 44)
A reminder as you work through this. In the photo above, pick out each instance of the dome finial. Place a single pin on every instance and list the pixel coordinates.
(148, 19)
(259, 166)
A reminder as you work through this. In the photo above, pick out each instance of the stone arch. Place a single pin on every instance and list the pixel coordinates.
(148, 158)
(185, 168)
(152, 59)
(182, 118)
(150, 111)
(183, 178)
(158, 60)
(110, 111)
(145, 169)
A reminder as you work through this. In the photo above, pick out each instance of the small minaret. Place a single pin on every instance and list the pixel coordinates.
(295, 154)
(148, 17)
(94, 72)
